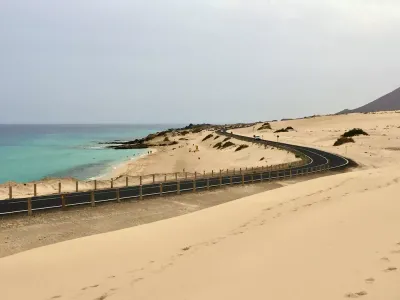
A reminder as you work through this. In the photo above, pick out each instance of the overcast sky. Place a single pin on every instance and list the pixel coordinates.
(178, 61)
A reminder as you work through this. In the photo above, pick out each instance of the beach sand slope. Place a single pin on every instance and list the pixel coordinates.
(335, 237)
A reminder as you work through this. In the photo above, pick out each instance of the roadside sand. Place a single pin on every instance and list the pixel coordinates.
(20, 233)
(381, 148)
(165, 161)
(329, 238)
(170, 160)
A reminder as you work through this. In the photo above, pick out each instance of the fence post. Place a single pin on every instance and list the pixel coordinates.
(117, 192)
(231, 179)
(154, 178)
(112, 183)
(178, 188)
(29, 206)
(92, 199)
(77, 188)
(140, 180)
(290, 172)
(208, 183)
(176, 176)
(10, 191)
(161, 191)
(204, 174)
(227, 171)
(165, 178)
(240, 170)
(252, 177)
(126, 181)
(141, 192)
(194, 184)
(95, 184)
(63, 204)
(34, 190)
(59, 187)
(220, 178)
(242, 179)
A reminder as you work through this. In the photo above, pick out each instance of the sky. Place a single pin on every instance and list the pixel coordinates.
(193, 61)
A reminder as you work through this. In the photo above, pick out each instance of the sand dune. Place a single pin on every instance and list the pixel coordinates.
(321, 239)
(378, 150)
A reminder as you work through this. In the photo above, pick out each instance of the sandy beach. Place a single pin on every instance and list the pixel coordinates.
(381, 148)
(334, 237)
(164, 162)
(330, 238)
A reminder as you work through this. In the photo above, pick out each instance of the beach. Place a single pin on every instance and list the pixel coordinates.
(163, 163)
(332, 237)
(380, 149)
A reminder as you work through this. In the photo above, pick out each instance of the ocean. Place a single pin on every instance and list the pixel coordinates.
(33, 152)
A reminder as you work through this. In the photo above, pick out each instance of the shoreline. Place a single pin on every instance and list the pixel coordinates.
(117, 167)
(173, 152)
(119, 170)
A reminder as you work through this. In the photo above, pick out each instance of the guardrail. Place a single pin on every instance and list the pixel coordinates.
(308, 165)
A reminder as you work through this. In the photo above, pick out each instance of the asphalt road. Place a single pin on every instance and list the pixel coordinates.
(318, 161)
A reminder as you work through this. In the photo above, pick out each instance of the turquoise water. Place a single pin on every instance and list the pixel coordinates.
(32, 152)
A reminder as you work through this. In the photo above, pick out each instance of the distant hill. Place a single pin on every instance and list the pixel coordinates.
(388, 102)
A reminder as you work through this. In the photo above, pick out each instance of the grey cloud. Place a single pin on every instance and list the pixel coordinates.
(193, 61)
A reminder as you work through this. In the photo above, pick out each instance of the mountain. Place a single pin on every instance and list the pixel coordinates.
(388, 102)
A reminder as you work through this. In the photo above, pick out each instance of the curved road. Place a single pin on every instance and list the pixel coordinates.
(318, 161)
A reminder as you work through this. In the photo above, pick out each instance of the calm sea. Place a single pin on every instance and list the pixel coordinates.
(32, 152)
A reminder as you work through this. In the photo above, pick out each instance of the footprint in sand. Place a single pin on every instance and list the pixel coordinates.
(370, 280)
(385, 259)
(390, 269)
(135, 271)
(90, 287)
(356, 295)
(102, 297)
(136, 280)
